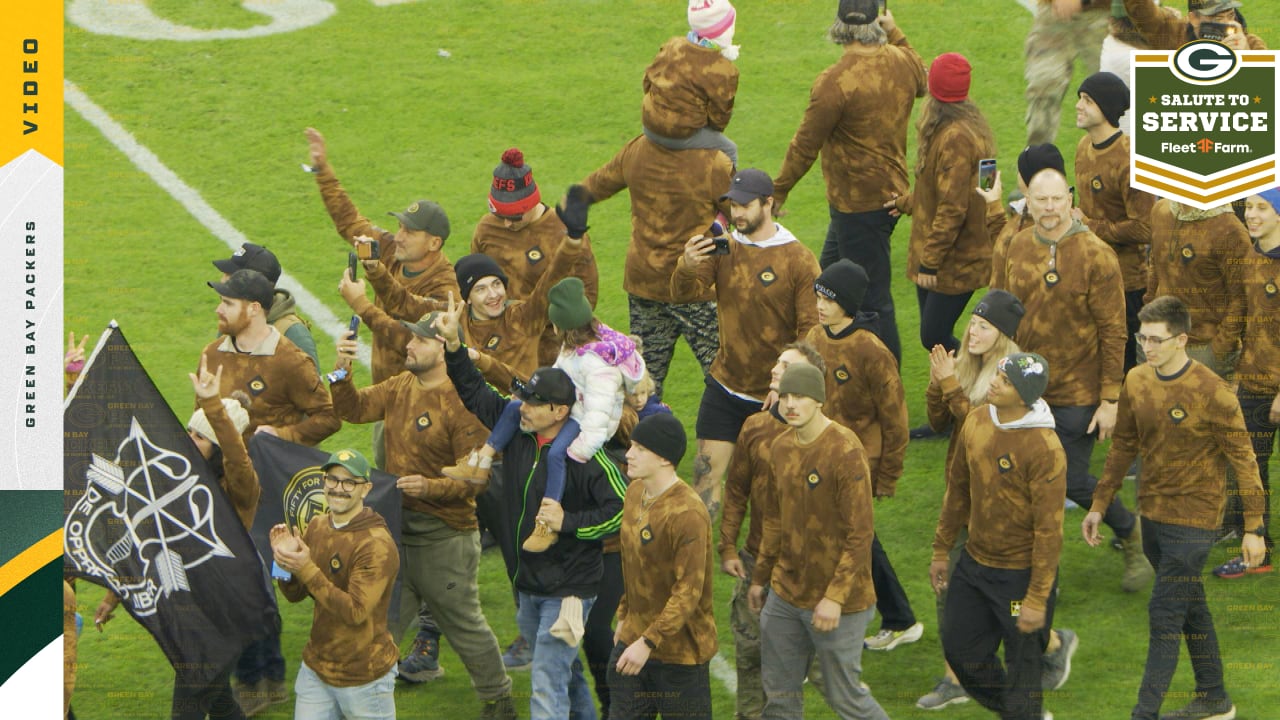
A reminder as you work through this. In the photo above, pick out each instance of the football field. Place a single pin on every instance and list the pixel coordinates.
(184, 138)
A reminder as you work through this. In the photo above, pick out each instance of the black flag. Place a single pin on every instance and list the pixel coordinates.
(293, 493)
(146, 518)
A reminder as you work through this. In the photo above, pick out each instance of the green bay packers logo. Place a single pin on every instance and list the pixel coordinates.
(646, 535)
(257, 386)
(842, 375)
(1177, 414)
(424, 421)
(335, 564)
(304, 497)
(534, 255)
(492, 342)
(1270, 288)
(412, 209)
(812, 479)
(1051, 278)
(768, 276)
(1096, 183)
(1187, 253)
(1005, 463)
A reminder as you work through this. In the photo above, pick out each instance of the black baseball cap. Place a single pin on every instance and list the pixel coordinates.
(248, 285)
(252, 257)
(547, 385)
(748, 185)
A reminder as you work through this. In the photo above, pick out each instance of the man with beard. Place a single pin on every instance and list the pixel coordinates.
(283, 314)
(348, 664)
(426, 428)
(288, 398)
(764, 291)
(1070, 283)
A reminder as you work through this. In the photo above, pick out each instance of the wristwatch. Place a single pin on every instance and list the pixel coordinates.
(1260, 531)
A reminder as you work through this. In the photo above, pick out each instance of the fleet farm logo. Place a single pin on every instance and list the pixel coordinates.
(1204, 131)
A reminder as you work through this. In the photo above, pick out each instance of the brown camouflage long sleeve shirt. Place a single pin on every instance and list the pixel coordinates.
(1259, 368)
(1115, 211)
(675, 195)
(1074, 300)
(667, 572)
(436, 281)
(1188, 430)
(746, 483)
(858, 113)
(949, 235)
(818, 522)
(1199, 262)
(425, 429)
(1008, 487)
(687, 87)
(764, 300)
(352, 572)
(865, 394)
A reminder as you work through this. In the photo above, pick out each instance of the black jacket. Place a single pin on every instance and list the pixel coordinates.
(592, 500)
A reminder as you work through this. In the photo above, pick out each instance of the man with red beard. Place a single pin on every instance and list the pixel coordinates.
(287, 398)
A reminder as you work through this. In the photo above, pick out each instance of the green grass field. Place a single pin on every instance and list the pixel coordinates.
(560, 80)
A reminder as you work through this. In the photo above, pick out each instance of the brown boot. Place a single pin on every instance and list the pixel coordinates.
(468, 470)
(542, 538)
(1137, 570)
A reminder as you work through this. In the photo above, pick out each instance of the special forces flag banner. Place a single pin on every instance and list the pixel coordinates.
(147, 519)
(293, 493)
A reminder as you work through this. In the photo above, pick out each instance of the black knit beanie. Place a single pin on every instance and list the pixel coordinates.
(663, 435)
(1035, 158)
(845, 282)
(1002, 309)
(1108, 92)
(471, 269)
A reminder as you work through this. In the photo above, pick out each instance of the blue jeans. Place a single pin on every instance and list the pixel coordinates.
(317, 700)
(553, 661)
(509, 424)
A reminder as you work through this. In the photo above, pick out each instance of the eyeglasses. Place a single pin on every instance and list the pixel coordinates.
(347, 484)
(1151, 339)
(520, 389)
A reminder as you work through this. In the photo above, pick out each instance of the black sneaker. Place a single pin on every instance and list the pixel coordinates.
(924, 432)
(1203, 708)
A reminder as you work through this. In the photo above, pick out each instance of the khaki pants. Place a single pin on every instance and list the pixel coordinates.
(1053, 47)
(440, 569)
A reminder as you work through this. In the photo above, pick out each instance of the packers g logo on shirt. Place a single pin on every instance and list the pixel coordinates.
(841, 375)
(646, 535)
(813, 479)
(534, 255)
(1187, 253)
(1177, 414)
(335, 563)
(257, 385)
(767, 276)
(1096, 183)
(1005, 463)
(1270, 288)
(492, 342)
(423, 422)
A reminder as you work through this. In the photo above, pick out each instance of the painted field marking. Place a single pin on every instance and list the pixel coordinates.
(202, 211)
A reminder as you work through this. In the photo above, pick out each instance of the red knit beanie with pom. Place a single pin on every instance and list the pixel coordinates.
(513, 192)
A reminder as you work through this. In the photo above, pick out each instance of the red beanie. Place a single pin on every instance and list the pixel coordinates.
(513, 191)
(949, 77)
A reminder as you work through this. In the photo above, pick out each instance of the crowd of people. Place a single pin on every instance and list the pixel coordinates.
(499, 400)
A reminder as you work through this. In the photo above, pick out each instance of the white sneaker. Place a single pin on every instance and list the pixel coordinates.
(890, 639)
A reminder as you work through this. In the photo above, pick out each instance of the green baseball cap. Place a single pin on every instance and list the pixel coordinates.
(425, 215)
(354, 462)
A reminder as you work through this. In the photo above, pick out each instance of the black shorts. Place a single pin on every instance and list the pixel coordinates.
(721, 414)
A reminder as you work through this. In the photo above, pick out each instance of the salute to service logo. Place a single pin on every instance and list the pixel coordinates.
(1205, 131)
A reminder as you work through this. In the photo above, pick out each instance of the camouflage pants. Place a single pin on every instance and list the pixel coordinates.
(746, 644)
(660, 324)
(1052, 48)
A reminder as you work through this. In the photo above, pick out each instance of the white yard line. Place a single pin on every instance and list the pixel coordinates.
(202, 211)
(146, 161)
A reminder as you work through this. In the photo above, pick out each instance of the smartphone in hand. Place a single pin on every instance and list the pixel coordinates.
(352, 263)
(720, 242)
(987, 173)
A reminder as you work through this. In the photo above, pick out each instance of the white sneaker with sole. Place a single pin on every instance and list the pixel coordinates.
(890, 639)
